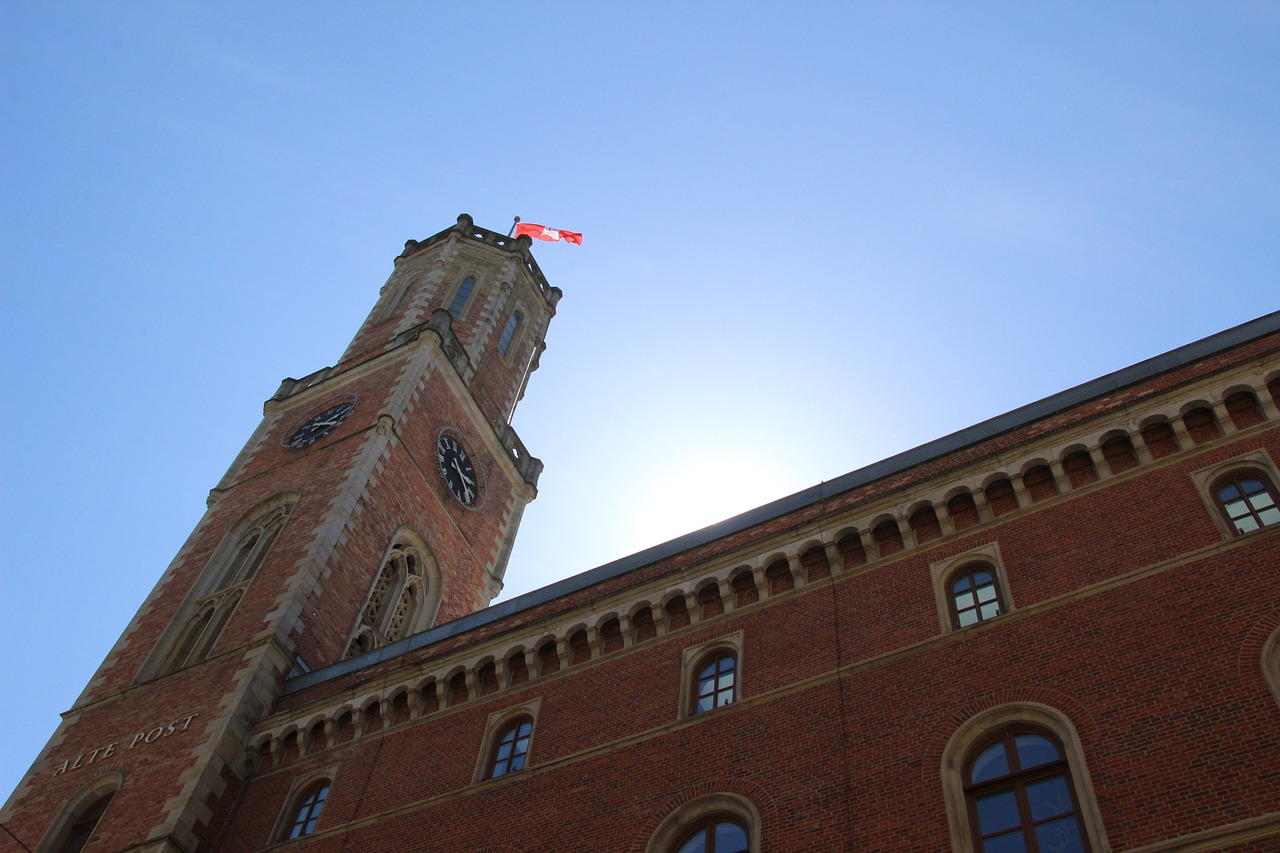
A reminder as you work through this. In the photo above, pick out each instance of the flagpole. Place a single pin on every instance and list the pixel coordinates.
(512, 229)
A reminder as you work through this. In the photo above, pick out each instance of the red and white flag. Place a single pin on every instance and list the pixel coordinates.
(542, 232)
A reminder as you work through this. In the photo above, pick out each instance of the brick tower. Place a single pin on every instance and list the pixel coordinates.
(377, 497)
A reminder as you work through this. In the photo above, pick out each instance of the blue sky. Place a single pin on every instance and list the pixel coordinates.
(816, 234)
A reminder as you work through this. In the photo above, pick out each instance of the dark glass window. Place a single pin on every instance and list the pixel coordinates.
(512, 749)
(82, 829)
(509, 333)
(308, 813)
(716, 684)
(715, 835)
(1249, 502)
(460, 298)
(974, 596)
(1021, 798)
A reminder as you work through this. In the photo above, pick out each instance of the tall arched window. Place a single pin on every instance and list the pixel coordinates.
(1020, 795)
(1014, 778)
(81, 816)
(224, 581)
(511, 748)
(305, 810)
(509, 333)
(82, 829)
(715, 683)
(461, 296)
(403, 599)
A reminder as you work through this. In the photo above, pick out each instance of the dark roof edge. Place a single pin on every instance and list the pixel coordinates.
(1014, 419)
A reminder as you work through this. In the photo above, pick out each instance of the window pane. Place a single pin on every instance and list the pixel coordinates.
(1034, 750)
(987, 593)
(1229, 492)
(1049, 798)
(697, 843)
(730, 838)
(964, 601)
(981, 577)
(989, 610)
(962, 584)
(990, 763)
(1060, 836)
(1269, 516)
(1246, 524)
(1011, 843)
(997, 812)
(967, 618)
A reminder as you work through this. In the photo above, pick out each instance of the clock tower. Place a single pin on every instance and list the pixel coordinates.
(376, 498)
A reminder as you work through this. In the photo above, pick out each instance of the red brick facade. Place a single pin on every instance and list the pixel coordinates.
(1137, 629)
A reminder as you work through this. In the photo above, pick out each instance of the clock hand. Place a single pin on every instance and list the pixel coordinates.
(464, 477)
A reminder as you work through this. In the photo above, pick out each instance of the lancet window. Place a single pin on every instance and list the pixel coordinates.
(226, 578)
(402, 601)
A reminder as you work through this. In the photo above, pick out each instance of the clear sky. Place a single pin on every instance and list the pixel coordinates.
(816, 234)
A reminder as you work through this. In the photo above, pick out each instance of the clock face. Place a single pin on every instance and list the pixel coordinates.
(321, 425)
(456, 469)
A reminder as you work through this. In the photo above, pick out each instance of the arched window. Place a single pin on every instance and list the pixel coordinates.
(305, 813)
(1247, 500)
(80, 816)
(461, 296)
(973, 595)
(82, 827)
(716, 834)
(403, 600)
(223, 583)
(715, 683)
(1020, 795)
(509, 333)
(511, 748)
(721, 822)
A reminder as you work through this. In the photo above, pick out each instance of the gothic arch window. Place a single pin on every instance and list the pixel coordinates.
(222, 585)
(1271, 663)
(462, 296)
(307, 814)
(716, 823)
(303, 808)
(404, 597)
(80, 817)
(509, 333)
(507, 742)
(1014, 778)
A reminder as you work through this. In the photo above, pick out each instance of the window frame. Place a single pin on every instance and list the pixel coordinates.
(75, 809)
(510, 333)
(979, 731)
(215, 596)
(467, 298)
(943, 572)
(1018, 780)
(499, 723)
(299, 791)
(1208, 481)
(694, 660)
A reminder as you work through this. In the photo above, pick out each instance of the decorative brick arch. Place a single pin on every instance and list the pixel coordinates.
(1260, 650)
(758, 798)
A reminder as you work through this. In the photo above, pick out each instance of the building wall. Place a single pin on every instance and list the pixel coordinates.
(1135, 619)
